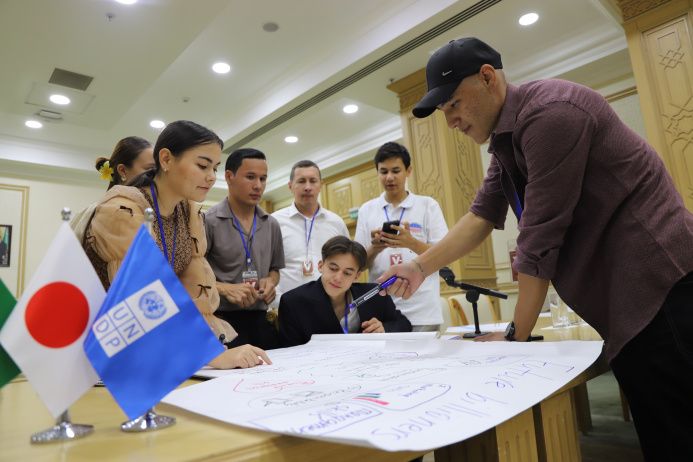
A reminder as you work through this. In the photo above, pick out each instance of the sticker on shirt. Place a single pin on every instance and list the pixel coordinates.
(250, 278)
(395, 259)
(307, 267)
(416, 230)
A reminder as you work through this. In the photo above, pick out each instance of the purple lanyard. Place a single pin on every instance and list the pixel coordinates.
(345, 327)
(388, 216)
(305, 227)
(252, 238)
(161, 228)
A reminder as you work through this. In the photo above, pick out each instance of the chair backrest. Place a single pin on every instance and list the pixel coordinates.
(448, 321)
(487, 315)
(456, 312)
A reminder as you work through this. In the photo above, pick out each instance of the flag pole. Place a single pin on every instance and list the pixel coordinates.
(150, 420)
(63, 429)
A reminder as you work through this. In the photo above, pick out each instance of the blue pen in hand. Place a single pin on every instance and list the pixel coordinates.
(371, 293)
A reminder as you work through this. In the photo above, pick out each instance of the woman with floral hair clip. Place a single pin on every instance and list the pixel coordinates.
(132, 155)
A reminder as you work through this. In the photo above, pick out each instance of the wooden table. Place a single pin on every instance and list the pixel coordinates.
(547, 432)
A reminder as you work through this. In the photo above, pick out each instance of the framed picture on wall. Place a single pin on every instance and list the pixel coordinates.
(5, 243)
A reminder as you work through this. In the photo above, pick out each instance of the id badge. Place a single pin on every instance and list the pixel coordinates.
(250, 277)
(395, 259)
(307, 267)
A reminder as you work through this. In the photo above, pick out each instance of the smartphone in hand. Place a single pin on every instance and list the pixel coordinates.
(387, 227)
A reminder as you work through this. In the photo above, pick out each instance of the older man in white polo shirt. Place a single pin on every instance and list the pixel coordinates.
(306, 226)
(421, 225)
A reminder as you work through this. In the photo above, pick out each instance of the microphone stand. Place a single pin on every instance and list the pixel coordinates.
(472, 297)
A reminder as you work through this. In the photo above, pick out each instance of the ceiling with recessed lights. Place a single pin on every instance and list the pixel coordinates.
(282, 69)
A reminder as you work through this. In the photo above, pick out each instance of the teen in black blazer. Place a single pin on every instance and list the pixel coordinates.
(318, 306)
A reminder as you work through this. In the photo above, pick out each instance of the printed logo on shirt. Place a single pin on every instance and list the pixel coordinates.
(416, 229)
(395, 259)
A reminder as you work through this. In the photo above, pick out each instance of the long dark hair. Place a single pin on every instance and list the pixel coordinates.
(125, 152)
(177, 137)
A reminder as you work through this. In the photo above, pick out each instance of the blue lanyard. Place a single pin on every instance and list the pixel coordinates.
(345, 327)
(518, 206)
(305, 227)
(388, 216)
(252, 237)
(161, 228)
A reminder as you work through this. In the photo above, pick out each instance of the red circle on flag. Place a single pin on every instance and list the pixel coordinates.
(57, 314)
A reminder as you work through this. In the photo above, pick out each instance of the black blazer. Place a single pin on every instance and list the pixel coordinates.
(307, 310)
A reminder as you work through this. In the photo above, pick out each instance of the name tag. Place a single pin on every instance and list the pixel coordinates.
(250, 278)
(307, 267)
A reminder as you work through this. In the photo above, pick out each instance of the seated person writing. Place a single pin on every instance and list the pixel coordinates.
(322, 306)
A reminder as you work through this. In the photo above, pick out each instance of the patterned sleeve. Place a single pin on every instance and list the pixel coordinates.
(198, 278)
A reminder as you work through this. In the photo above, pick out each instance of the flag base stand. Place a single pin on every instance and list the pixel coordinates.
(148, 421)
(61, 431)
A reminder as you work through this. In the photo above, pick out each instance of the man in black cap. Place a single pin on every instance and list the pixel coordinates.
(598, 216)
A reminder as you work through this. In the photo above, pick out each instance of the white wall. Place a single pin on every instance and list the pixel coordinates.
(47, 197)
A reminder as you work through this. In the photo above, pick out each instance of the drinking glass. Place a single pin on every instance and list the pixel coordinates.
(559, 311)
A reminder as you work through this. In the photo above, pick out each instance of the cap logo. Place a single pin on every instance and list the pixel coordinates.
(446, 73)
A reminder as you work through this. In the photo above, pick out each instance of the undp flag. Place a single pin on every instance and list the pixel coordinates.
(149, 336)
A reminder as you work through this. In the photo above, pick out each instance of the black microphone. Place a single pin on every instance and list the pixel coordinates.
(472, 297)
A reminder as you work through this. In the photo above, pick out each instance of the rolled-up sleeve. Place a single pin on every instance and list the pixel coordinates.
(490, 202)
(555, 142)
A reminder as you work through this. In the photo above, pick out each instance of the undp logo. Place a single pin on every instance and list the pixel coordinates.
(134, 317)
(152, 305)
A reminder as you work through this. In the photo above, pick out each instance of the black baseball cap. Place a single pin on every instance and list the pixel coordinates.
(449, 66)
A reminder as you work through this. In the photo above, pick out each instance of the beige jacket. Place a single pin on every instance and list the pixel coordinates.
(114, 227)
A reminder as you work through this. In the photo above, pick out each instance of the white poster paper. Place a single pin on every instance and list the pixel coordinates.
(394, 395)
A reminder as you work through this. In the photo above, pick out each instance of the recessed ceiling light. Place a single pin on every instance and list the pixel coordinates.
(270, 27)
(350, 108)
(33, 124)
(126, 2)
(157, 124)
(291, 139)
(60, 99)
(529, 18)
(221, 68)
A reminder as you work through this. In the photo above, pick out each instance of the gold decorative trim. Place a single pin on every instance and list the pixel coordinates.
(24, 219)
(633, 8)
(621, 94)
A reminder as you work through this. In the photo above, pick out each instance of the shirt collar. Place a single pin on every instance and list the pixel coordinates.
(407, 202)
(294, 211)
(508, 115)
(225, 211)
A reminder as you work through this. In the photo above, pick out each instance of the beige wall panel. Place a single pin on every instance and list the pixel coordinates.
(659, 41)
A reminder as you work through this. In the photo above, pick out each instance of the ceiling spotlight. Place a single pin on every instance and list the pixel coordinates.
(291, 139)
(157, 124)
(350, 108)
(529, 18)
(33, 124)
(221, 68)
(60, 99)
(126, 2)
(270, 27)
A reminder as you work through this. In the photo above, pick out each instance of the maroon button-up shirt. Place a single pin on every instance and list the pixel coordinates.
(600, 215)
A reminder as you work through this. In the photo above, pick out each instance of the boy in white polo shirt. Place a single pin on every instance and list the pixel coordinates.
(421, 225)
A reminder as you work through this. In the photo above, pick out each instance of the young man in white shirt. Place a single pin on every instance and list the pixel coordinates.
(421, 225)
(306, 226)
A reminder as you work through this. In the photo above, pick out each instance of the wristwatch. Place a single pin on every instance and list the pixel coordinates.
(510, 332)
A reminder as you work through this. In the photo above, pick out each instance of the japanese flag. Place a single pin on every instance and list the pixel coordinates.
(44, 334)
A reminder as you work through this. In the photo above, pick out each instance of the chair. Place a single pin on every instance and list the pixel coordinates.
(448, 320)
(460, 305)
